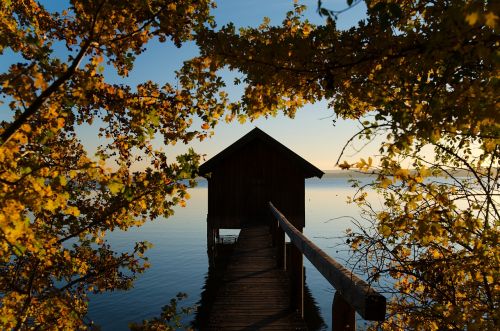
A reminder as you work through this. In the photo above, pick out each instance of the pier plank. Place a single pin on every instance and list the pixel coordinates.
(255, 294)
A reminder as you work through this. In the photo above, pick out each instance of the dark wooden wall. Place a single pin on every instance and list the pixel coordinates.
(242, 184)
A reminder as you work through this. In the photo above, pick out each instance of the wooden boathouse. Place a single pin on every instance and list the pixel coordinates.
(252, 185)
(244, 177)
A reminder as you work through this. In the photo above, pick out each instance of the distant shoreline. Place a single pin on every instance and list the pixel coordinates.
(354, 173)
(345, 174)
(359, 174)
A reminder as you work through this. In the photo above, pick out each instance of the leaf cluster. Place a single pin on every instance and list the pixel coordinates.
(57, 201)
(423, 76)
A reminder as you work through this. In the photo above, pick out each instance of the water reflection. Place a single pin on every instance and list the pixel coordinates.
(216, 268)
(179, 260)
(218, 263)
(312, 313)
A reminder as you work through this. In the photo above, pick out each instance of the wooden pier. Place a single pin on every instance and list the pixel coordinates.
(263, 287)
(255, 294)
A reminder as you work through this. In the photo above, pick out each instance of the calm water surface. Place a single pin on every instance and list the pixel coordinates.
(179, 260)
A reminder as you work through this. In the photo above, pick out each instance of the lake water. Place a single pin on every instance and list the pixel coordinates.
(179, 261)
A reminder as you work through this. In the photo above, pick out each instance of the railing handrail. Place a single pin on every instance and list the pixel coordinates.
(356, 292)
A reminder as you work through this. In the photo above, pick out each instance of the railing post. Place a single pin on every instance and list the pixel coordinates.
(288, 261)
(297, 275)
(343, 315)
(280, 247)
(210, 235)
(272, 230)
(210, 243)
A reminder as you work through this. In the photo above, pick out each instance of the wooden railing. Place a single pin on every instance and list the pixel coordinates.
(352, 293)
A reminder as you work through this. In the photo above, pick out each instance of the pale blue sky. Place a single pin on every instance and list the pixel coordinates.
(311, 134)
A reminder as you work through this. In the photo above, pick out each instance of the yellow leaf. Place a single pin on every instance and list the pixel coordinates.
(62, 180)
(142, 204)
(306, 30)
(402, 173)
(26, 128)
(50, 205)
(115, 187)
(39, 81)
(472, 18)
(424, 172)
(385, 230)
(491, 19)
(242, 119)
(384, 183)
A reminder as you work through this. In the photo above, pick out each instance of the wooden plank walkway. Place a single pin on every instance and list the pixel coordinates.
(255, 294)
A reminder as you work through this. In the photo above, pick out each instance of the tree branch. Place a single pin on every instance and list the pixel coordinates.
(35, 106)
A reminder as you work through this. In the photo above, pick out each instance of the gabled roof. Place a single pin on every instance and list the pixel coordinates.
(258, 134)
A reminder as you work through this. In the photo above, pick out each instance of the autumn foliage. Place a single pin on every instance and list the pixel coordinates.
(422, 76)
(57, 201)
